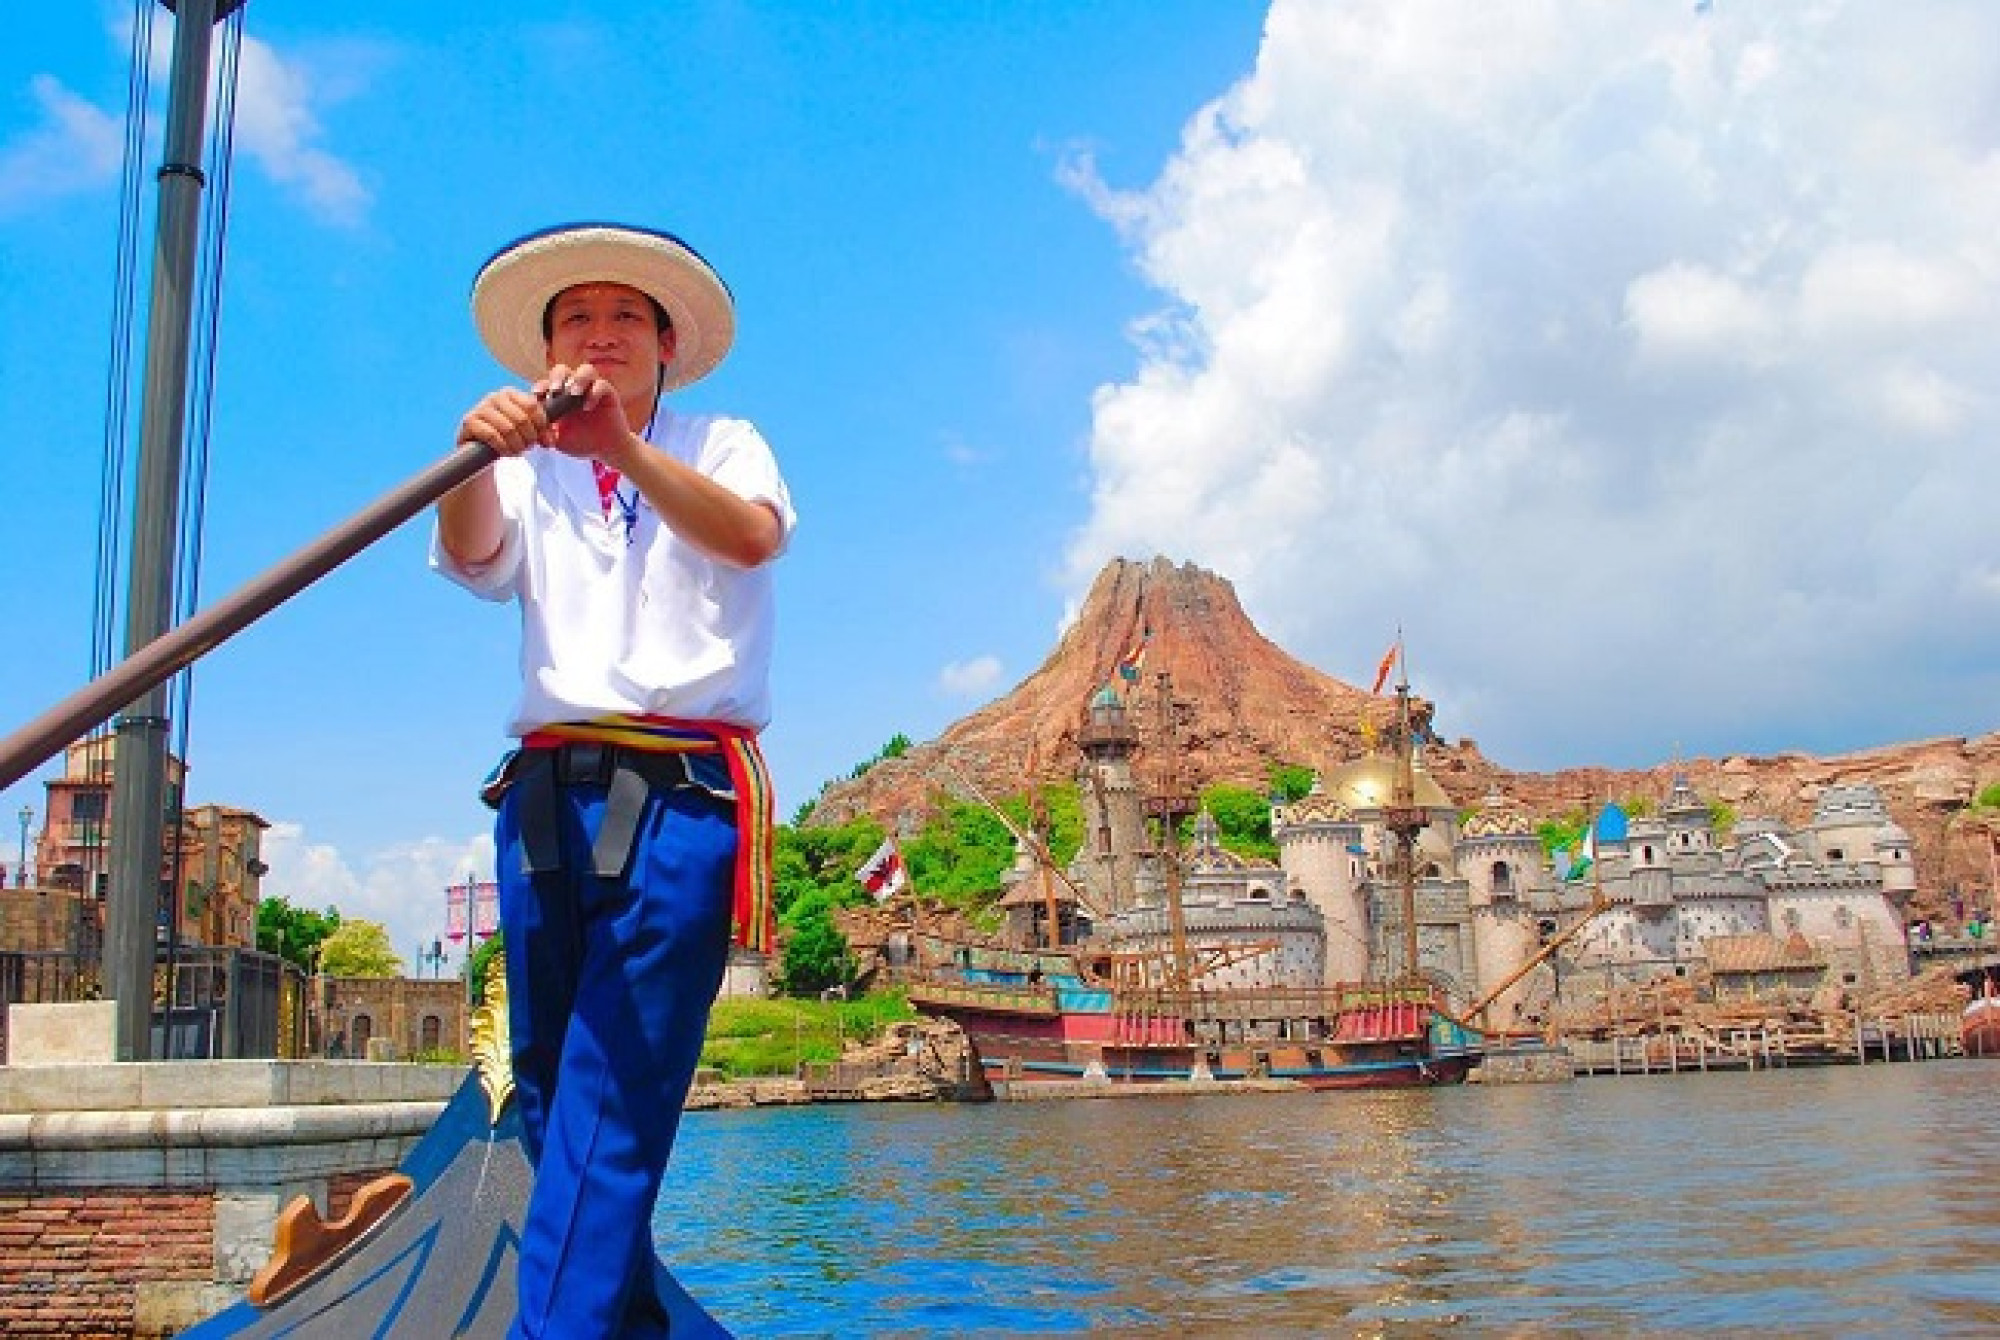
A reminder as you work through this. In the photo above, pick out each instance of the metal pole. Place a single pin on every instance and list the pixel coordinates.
(21, 871)
(139, 776)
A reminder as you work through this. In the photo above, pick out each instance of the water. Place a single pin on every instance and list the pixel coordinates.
(1834, 1202)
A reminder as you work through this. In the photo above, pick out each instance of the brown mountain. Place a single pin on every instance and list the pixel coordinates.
(1247, 704)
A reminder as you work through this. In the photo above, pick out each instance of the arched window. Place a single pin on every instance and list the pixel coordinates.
(1647, 851)
(362, 1031)
(429, 1034)
(1503, 877)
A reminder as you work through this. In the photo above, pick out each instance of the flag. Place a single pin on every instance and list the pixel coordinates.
(883, 874)
(1582, 853)
(1129, 663)
(1388, 664)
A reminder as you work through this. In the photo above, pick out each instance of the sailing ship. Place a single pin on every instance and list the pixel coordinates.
(1129, 1010)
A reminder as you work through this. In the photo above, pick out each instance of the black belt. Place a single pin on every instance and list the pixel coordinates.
(629, 776)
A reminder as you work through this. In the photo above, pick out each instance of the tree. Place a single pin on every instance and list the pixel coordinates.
(481, 965)
(359, 949)
(1291, 781)
(816, 954)
(293, 933)
(1242, 820)
(822, 861)
(961, 854)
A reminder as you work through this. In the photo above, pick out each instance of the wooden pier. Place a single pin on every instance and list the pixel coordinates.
(1915, 1037)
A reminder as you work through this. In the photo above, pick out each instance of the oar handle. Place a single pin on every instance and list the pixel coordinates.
(179, 647)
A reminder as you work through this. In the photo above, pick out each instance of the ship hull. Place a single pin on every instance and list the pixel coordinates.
(1028, 1035)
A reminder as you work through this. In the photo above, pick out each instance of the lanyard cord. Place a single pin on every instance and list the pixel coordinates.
(610, 484)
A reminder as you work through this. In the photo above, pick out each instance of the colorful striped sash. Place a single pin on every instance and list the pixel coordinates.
(753, 914)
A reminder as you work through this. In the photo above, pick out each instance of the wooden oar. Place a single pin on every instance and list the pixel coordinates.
(165, 656)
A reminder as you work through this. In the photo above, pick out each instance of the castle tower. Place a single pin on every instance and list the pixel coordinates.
(1321, 847)
(1500, 855)
(1690, 826)
(1114, 813)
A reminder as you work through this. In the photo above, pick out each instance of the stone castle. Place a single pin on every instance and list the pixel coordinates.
(1662, 897)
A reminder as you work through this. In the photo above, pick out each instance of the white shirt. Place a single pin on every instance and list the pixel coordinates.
(622, 615)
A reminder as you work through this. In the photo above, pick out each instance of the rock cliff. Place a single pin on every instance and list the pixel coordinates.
(1246, 704)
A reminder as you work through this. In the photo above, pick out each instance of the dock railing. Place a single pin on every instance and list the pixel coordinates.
(1853, 1041)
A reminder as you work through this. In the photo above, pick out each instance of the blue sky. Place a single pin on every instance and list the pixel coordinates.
(1636, 360)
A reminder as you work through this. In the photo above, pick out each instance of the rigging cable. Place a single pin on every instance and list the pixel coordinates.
(205, 328)
(105, 606)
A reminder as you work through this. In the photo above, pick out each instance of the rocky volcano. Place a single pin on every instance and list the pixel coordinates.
(1246, 704)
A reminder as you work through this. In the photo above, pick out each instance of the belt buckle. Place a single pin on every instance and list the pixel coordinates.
(586, 763)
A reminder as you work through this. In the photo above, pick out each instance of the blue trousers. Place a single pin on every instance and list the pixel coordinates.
(609, 985)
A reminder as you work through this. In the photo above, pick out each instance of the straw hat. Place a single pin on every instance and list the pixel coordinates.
(513, 290)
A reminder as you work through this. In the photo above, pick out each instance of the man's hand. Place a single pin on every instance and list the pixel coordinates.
(597, 428)
(509, 421)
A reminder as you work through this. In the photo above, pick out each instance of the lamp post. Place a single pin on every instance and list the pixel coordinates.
(21, 870)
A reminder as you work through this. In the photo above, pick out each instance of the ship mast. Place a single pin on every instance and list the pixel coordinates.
(1038, 817)
(1405, 819)
(1167, 804)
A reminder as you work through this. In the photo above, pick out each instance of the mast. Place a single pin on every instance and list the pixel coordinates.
(1169, 803)
(139, 800)
(1405, 818)
(1038, 815)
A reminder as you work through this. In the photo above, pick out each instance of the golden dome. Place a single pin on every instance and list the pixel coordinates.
(1369, 783)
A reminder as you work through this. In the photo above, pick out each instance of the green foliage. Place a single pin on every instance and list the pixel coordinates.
(1291, 781)
(293, 933)
(822, 860)
(957, 859)
(1988, 797)
(1560, 834)
(359, 949)
(1242, 819)
(1721, 819)
(482, 964)
(1060, 822)
(960, 855)
(1639, 807)
(898, 745)
(773, 1037)
(816, 954)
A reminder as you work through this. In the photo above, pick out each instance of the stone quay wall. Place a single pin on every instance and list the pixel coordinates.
(138, 1198)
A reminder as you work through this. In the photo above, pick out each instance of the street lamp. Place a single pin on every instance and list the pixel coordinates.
(21, 870)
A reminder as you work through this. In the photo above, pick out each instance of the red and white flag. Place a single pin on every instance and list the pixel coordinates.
(883, 874)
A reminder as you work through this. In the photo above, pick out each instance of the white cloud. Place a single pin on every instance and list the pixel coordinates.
(276, 125)
(1635, 360)
(76, 146)
(73, 147)
(969, 679)
(1687, 313)
(401, 887)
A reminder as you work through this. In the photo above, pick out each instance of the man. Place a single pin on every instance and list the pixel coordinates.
(633, 824)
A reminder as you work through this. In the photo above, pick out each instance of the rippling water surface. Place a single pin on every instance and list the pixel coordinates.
(1837, 1202)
